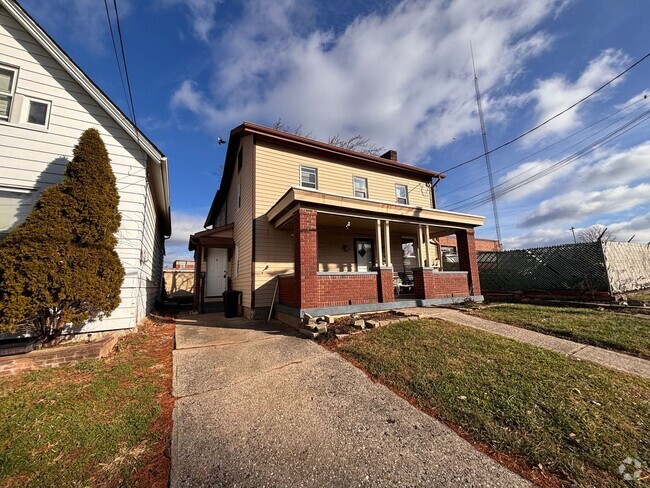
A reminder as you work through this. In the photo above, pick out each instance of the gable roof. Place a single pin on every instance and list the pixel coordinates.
(304, 144)
(59, 55)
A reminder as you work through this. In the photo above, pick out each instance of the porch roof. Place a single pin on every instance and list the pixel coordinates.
(217, 237)
(297, 197)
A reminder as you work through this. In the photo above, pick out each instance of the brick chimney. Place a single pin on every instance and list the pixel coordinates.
(392, 155)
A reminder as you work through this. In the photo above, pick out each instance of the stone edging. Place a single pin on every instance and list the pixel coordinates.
(56, 356)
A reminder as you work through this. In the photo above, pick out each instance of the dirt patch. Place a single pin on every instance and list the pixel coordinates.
(157, 465)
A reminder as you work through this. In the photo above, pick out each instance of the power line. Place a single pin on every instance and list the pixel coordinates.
(560, 164)
(126, 69)
(549, 119)
(528, 156)
(117, 57)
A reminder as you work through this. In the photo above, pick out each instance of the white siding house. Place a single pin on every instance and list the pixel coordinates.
(46, 102)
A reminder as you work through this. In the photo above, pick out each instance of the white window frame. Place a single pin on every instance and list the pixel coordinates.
(365, 186)
(302, 182)
(29, 193)
(406, 194)
(12, 93)
(25, 112)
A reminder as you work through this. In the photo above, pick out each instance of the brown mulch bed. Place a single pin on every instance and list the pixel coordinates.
(156, 470)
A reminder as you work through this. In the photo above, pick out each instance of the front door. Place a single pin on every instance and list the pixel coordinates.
(364, 253)
(215, 272)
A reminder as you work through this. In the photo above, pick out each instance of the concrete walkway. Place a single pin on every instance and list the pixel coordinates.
(259, 406)
(604, 357)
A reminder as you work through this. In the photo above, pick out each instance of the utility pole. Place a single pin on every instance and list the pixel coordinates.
(486, 151)
(573, 230)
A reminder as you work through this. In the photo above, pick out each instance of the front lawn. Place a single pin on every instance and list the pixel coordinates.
(617, 331)
(551, 416)
(102, 422)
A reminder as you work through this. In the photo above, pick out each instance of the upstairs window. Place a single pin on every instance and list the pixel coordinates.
(37, 112)
(402, 194)
(309, 177)
(8, 78)
(360, 187)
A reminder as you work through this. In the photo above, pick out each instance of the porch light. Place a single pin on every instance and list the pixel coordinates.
(346, 248)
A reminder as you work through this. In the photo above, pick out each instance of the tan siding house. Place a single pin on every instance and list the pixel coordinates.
(46, 102)
(325, 229)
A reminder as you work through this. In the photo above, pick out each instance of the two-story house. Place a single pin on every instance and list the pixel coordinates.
(46, 102)
(315, 228)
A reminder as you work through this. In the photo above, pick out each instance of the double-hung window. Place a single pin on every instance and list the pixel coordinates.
(402, 194)
(15, 205)
(309, 177)
(8, 78)
(360, 187)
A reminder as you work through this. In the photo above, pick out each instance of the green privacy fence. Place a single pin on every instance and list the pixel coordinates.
(567, 267)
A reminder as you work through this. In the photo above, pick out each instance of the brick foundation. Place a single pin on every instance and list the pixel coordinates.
(287, 291)
(56, 356)
(348, 289)
(434, 284)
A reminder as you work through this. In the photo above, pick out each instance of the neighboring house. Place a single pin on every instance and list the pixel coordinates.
(324, 229)
(46, 102)
(183, 264)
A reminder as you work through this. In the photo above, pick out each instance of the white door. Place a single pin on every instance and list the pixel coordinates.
(365, 254)
(215, 273)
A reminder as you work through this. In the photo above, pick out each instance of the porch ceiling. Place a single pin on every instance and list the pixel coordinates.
(217, 237)
(366, 209)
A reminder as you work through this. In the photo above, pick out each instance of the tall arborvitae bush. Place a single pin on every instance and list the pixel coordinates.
(60, 266)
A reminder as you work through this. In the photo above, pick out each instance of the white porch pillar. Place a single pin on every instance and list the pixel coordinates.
(379, 256)
(426, 243)
(389, 261)
(420, 250)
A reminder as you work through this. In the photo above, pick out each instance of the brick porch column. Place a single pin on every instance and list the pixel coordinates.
(423, 286)
(385, 285)
(467, 259)
(305, 249)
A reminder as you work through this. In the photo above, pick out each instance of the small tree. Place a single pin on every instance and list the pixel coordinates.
(60, 266)
(591, 234)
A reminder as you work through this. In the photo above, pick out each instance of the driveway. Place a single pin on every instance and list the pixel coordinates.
(259, 406)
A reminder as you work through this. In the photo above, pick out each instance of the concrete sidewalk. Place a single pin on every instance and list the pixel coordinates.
(258, 406)
(598, 355)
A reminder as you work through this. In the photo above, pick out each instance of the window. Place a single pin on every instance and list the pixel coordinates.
(402, 194)
(15, 205)
(8, 78)
(239, 194)
(308, 177)
(240, 160)
(36, 112)
(360, 187)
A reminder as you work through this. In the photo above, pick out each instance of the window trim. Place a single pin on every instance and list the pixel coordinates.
(315, 174)
(12, 93)
(354, 186)
(406, 194)
(25, 112)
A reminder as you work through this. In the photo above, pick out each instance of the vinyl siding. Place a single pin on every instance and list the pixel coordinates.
(242, 218)
(277, 169)
(36, 158)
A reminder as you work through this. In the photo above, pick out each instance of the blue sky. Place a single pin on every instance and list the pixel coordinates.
(399, 73)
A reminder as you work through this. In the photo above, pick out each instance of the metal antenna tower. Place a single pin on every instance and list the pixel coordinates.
(486, 150)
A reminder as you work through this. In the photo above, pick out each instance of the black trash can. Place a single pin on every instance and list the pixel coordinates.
(231, 300)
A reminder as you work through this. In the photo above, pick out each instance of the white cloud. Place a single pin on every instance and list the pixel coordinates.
(538, 238)
(201, 14)
(576, 205)
(639, 227)
(552, 95)
(185, 224)
(407, 74)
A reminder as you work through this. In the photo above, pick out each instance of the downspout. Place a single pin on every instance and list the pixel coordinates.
(434, 202)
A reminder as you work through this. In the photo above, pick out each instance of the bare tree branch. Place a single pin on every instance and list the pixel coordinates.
(591, 234)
